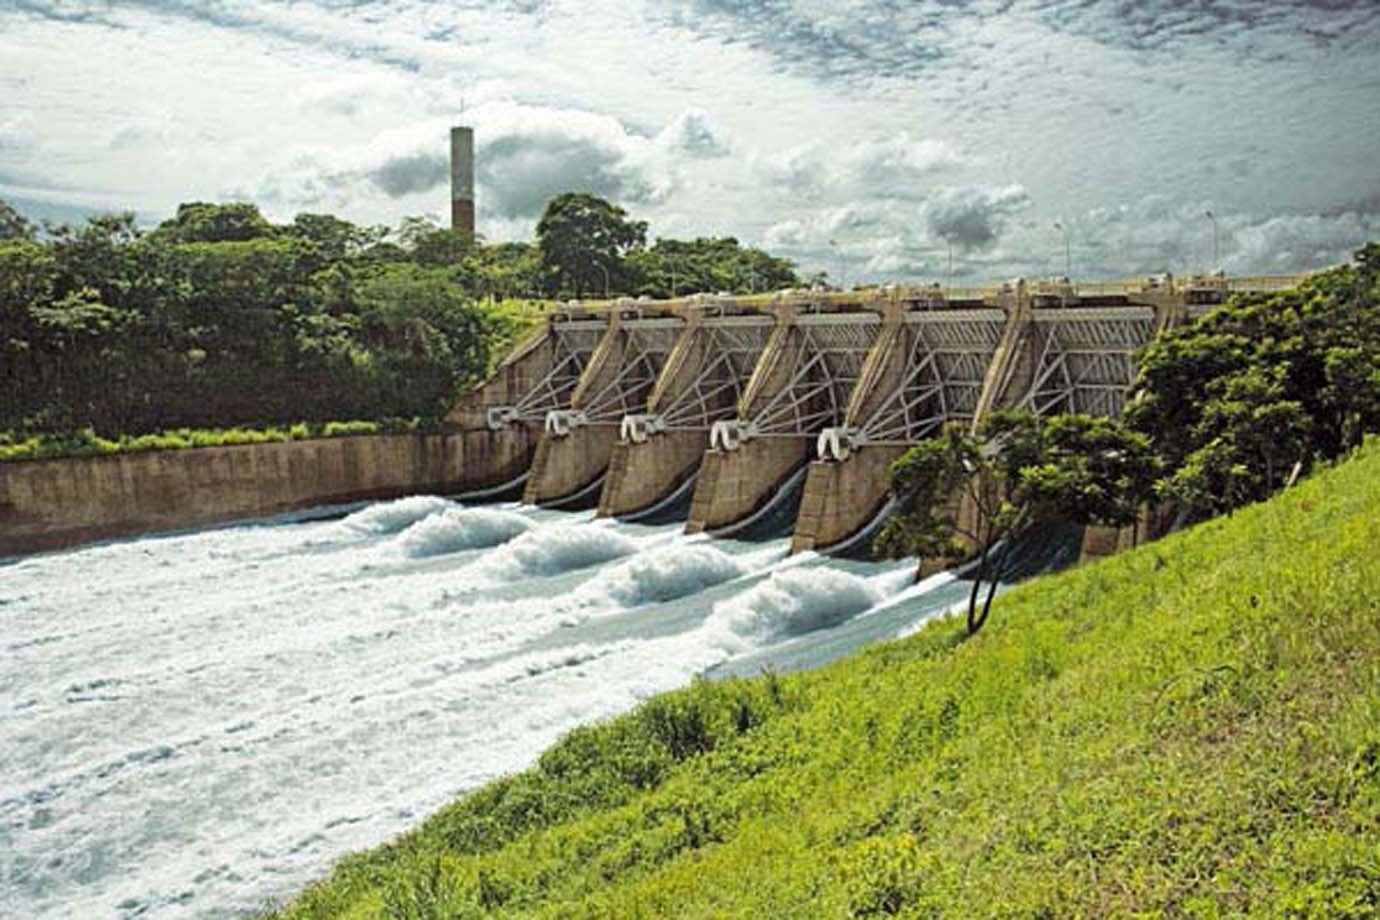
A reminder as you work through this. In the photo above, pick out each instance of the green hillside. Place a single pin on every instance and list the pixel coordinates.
(1191, 729)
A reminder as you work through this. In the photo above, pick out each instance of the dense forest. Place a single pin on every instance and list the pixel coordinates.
(218, 317)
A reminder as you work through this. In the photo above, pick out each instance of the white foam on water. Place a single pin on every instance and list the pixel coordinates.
(394, 516)
(667, 573)
(912, 590)
(791, 602)
(556, 548)
(453, 529)
(196, 723)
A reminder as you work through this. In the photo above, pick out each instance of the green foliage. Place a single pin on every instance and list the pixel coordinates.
(13, 225)
(677, 268)
(202, 222)
(1185, 730)
(217, 318)
(1015, 472)
(85, 442)
(1262, 386)
(582, 240)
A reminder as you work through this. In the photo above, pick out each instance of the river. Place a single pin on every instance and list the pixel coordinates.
(199, 724)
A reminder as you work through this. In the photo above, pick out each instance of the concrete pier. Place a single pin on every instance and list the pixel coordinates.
(929, 367)
(577, 441)
(641, 475)
(701, 384)
(508, 412)
(800, 387)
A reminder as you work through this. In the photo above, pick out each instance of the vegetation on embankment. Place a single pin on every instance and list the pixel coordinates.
(218, 318)
(1190, 729)
(86, 443)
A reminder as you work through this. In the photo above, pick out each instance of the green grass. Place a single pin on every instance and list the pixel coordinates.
(87, 443)
(1191, 729)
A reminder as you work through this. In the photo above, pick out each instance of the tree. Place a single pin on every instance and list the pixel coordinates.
(13, 225)
(1017, 471)
(337, 239)
(203, 222)
(1262, 387)
(707, 264)
(1250, 438)
(583, 239)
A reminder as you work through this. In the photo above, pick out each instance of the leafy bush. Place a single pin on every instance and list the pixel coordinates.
(86, 443)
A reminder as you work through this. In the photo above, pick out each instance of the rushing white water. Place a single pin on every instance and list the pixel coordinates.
(196, 725)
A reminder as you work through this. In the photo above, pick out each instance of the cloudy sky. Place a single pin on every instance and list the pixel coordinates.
(864, 137)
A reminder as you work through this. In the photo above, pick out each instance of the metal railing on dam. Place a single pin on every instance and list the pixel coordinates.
(633, 399)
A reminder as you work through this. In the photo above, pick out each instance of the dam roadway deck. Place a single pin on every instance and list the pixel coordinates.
(624, 403)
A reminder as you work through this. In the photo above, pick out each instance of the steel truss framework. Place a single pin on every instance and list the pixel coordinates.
(648, 343)
(831, 349)
(572, 345)
(1086, 359)
(731, 349)
(947, 356)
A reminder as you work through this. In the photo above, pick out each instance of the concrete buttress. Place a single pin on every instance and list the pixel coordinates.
(928, 368)
(502, 418)
(702, 382)
(800, 386)
(577, 441)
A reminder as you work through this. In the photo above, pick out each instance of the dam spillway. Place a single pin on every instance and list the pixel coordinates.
(617, 405)
(366, 669)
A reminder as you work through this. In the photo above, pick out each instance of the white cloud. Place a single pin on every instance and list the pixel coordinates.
(885, 126)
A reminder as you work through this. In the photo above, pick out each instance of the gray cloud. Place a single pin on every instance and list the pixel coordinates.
(693, 133)
(908, 38)
(1240, 23)
(883, 37)
(411, 173)
(973, 216)
(520, 173)
(1287, 243)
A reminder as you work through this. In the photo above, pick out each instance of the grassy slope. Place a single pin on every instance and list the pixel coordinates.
(1190, 729)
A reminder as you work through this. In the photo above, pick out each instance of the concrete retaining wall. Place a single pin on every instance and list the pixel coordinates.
(51, 504)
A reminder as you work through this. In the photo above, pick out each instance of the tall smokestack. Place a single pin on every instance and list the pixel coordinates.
(462, 180)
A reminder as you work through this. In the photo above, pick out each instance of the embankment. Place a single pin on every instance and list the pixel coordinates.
(56, 503)
(1187, 729)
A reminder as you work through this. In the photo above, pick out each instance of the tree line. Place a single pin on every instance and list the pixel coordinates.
(218, 317)
(1225, 411)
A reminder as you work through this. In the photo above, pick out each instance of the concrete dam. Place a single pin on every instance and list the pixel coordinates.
(735, 400)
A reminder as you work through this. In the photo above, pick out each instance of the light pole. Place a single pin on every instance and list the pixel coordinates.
(1068, 273)
(1215, 257)
(604, 269)
(950, 241)
(838, 254)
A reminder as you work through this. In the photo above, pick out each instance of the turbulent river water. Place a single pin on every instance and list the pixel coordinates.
(197, 725)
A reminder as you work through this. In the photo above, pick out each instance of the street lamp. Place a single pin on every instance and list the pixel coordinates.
(1068, 273)
(1215, 257)
(604, 269)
